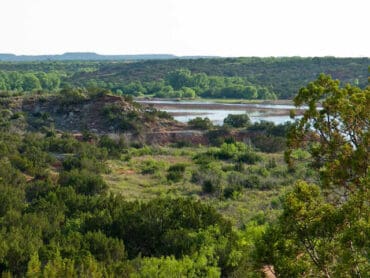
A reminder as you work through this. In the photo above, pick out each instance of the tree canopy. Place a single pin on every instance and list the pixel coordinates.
(324, 227)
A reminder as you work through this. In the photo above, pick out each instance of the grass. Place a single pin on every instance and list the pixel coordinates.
(127, 179)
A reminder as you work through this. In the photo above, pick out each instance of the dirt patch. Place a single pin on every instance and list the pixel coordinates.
(125, 171)
(28, 177)
(268, 270)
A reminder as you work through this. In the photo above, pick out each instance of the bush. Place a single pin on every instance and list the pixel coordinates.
(228, 151)
(114, 147)
(181, 144)
(176, 172)
(104, 248)
(270, 128)
(37, 189)
(268, 143)
(208, 186)
(269, 137)
(83, 182)
(72, 96)
(238, 152)
(201, 123)
(237, 121)
(232, 191)
(252, 181)
(151, 113)
(210, 178)
(213, 185)
(71, 162)
(249, 157)
(150, 167)
(218, 136)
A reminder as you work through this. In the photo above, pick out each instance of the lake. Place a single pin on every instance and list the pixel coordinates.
(183, 111)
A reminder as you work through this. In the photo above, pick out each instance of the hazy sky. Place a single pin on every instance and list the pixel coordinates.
(187, 27)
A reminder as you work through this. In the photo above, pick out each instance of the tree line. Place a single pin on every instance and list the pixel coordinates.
(29, 81)
(281, 76)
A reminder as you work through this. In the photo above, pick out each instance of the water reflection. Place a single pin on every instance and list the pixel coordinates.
(217, 116)
(183, 111)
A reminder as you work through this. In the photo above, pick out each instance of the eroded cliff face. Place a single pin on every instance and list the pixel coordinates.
(101, 115)
(105, 114)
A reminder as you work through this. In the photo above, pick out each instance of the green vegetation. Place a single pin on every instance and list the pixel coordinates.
(324, 227)
(30, 81)
(242, 78)
(237, 121)
(292, 198)
(201, 123)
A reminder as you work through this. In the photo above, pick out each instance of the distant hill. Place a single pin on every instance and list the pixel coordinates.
(82, 56)
(282, 75)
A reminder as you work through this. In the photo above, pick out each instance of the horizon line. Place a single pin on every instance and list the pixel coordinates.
(177, 55)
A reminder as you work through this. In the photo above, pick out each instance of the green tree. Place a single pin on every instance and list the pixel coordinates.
(328, 225)
(166, 91)
(4, 82)
(336, 133)
(34, 267)
(237, 121)
(84, 182)
(31, 82)
(200, 81)
(16, 81)
(176, 172)
(188, 92)
(179, 78)
(201, 123)
(251, 92)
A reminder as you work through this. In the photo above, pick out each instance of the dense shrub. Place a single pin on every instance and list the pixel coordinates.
(237, 120)
(249, 157)
(83, 182)
(268, 137)
(114, 147)
(238, 152)
(150, 167)
(72, 96)
(176, 172)
(201, 123)
(268, 143)
(232, 191)
(210, 177)
(218, 136)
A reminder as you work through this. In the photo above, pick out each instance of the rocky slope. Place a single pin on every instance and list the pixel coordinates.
(100, 114)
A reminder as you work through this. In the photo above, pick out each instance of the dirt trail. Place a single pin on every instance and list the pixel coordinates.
(268, 270)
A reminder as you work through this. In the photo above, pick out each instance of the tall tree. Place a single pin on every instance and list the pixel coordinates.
(324, 229)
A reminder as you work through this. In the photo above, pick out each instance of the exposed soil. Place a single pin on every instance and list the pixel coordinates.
(87, 114)
(268, 270)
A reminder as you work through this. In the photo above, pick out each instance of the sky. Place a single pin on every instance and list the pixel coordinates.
(187, 27)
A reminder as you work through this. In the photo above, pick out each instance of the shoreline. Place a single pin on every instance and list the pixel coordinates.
(218, 100)
(196, 107)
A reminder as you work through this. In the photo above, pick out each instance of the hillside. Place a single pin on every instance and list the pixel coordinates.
(75, 111)
(281, 76)
(284, 75)
(82, 56)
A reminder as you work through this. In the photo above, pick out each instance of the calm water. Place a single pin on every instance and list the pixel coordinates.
(234, 105)
(217, 115)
